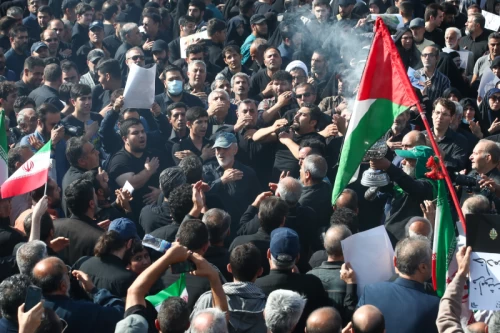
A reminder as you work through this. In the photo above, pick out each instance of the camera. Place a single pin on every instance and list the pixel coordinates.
(70, 130)
(470, 184)
(286, 128)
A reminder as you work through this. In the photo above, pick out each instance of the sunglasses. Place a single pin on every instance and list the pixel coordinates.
(50, 40)
(307, 94)
(137, 57)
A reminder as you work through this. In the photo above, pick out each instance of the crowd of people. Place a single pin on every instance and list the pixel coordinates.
(230, 171)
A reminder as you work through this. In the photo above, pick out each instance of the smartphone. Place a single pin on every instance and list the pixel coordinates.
(33, 297)
(183, 267)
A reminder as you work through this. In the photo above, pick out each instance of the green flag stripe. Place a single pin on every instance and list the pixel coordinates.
(3, 138)
(370, 128)
(174, 290)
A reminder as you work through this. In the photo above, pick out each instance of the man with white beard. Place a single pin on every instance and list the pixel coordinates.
(408, 190)
(451, 37)
(235, 184)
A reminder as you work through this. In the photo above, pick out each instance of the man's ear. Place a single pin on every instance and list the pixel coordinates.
(268, 254)
(229, 269)
(157, 325)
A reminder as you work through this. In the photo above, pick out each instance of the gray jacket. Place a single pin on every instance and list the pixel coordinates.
(246, 303)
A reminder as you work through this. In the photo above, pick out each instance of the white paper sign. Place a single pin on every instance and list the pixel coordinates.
(492, 21)
(393, 20)
(464, 56)
(484, 281)
(188, 40)
(370, 254)
(488, 82)
(415, 79)
(128, 187)
(139, 90)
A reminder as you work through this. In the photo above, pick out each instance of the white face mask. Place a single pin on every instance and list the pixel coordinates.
(175, 87)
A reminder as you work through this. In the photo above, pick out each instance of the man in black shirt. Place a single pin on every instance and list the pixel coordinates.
(49, 91)
(304, 126)
(232, 58)
(196, 143)
(33, 76)
(233, 182)
(82, 157)
(155, 216)
(216, 30)
(80, 32)
(476, 40)
(260, 87)
(135, 165)
(113, 42)
(218, 223)
(131, 37)
(14, 58)
(110, 79)
(187, 26)
(434, 15)
(9, 237)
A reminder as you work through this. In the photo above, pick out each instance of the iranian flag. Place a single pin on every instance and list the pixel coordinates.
(384, 93)
(176, 289)
(31, 175)
(445, 242)
(4, 171)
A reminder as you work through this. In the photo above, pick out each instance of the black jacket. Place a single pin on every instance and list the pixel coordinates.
(109, 272)
(307, 285)
(155, 216)
(343, 296)
(261, 239)
(83, 233)
(70, 176)
(318, 197)
(46, 94)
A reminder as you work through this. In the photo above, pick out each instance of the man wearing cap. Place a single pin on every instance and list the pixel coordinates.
(90, 78)
(417, 27)
(96, 36)
(107, 269)
(233, 182)
(409, 190)
(40, 49)
(345, 16)
(282, 255)
(160, 55)
(258, 25)
(485, 61)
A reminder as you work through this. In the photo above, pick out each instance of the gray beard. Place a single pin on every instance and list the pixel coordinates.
(409, 170)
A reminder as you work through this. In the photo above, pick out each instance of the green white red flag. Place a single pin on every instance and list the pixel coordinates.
(176, 289)
(30, 176)
(384, 93)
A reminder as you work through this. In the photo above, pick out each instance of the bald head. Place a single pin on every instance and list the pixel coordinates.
(413, 139)
(334, 235)
(51, 274)
(348, 199)
(324, 320)
(419, 226)
(368, 319)
(209, 320)
(479, 327)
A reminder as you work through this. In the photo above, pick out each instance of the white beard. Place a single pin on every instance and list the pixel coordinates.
(409, 170)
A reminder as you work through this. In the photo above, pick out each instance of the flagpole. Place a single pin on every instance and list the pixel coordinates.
(443, 167)
(45, 190)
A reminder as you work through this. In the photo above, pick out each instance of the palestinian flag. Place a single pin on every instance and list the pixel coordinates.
(176, 289)
(384, 93)
(445, 242)
(4, 171)
(30, 176)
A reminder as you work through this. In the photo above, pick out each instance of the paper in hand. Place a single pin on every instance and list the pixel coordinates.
(128, 187)
(139, 90)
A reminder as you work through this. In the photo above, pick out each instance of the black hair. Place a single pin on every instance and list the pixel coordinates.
(215, 25)
(231, 48)
(13, 292)
(46, 225)
(7, 88)
(74, 149)
(45, 9)
(45, 109)
(82, 8)
(109, 8)
(347, 217)
(180, 202)
(154, 16)
(39, 192)
(68, 65)
(195, 112)
(125, 125)
(80, 90)
(245, 5)
(282, 75)
(193, 169)
(16, 30)
(245, 262)
(199, 4)
(21, 102)
(108, 242)
(173, 316)
(193, 234)
(111, 67)
(31, 62)
(78, 196)
(184, 20)
(14, 156)
(171, 178)
(175, 105)
(194, 49)
(272, 211)
(52, 73)
(65, 91)
(317, 147)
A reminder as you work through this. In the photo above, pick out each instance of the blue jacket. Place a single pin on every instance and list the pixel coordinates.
(405, 305)
(84, 316)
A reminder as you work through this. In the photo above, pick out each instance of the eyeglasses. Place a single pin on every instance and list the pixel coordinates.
(300, 96)
(439, 113)
(137, 57)
(427, 55)
(50, 40)
(495, 98)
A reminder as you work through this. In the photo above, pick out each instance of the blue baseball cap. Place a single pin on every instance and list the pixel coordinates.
(37, 46)
(96, 24)
(224, 140)
(285, 245)
(125, 227)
